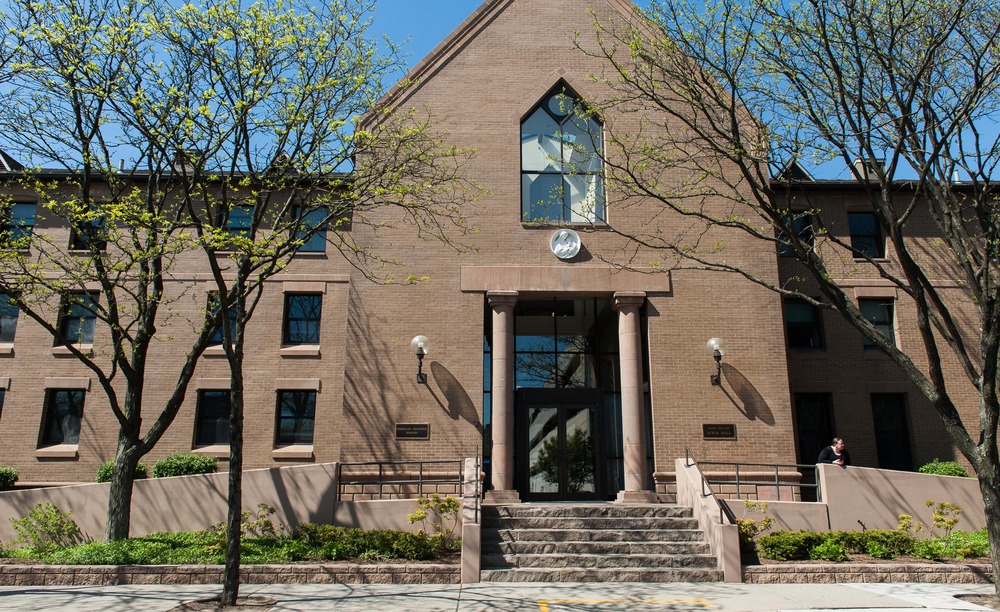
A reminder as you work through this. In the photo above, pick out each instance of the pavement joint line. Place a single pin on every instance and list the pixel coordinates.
(543, 604)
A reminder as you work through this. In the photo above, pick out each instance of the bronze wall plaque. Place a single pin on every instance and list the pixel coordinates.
(413, 431)
(718, 431)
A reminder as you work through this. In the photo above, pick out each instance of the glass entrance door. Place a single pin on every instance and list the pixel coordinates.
(557, 438)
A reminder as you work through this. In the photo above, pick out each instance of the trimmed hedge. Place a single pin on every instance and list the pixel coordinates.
(944, 468)
(309, 542)
(107, 468)
(8, 476)
(185, 464)
(789, 545)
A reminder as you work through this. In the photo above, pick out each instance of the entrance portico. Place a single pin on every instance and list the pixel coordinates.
(503, 297)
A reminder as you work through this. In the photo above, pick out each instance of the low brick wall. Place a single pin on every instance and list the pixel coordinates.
(333, 573)
(833, 573)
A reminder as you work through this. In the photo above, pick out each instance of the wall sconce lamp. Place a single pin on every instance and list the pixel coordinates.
(421, 347)
(718, 348)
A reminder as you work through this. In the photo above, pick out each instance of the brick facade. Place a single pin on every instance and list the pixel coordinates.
(479, 87)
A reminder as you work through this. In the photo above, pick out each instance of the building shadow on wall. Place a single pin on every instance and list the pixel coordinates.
(747, 400)
(368, 401)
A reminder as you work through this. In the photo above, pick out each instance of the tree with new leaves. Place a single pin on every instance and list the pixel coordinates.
(726, 95)
(239, 123)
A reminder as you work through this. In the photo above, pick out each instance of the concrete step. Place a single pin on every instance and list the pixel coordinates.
(577, 561)
(601, 522)
(587, 510)
(594, 548)
(602, 575)
(589, 535)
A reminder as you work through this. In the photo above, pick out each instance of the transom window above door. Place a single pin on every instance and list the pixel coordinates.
(561, 170)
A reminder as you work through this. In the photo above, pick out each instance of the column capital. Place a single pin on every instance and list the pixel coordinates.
(502, 298)
(629, 299)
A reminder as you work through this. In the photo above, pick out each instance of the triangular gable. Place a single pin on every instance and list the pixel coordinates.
(8, 163)
(439, 57)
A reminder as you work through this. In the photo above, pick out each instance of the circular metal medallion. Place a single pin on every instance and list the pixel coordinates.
(565, 244)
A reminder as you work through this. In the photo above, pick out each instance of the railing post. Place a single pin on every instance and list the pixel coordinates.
(777, 484)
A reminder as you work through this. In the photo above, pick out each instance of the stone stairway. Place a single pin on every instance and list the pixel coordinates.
(594, 543)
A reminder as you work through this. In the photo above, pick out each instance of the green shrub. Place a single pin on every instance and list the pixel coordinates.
(185, 464)
(964, 544)
(46, 528)
(788, 545)
(933, 549)
(336, 543)
(944, 468)
(316, 534)
(108, 467)
(8, 476)
(829, 550)
(888, 543)
(441, 514)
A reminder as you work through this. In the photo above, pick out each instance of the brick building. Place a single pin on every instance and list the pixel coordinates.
(577, 379)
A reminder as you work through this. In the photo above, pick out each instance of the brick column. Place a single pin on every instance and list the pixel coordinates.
(502, 454)
(633, 419)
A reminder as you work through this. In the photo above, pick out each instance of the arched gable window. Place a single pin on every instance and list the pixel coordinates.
(561, 170)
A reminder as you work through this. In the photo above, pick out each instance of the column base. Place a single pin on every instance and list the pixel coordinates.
(500, 497)
(637, 497)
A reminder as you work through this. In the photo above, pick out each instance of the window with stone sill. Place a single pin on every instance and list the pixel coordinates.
(803, 325)
(8, 318)
(62, 415)
(78, 317)
(301, 325)
(561, 169)
(866, 235)
(880, 312)
(211, 425)
(296, 418)
(17, 224)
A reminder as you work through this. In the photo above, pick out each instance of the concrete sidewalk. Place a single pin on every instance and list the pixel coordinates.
(540, 597)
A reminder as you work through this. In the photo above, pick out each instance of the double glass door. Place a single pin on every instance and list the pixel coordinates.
(557, 441)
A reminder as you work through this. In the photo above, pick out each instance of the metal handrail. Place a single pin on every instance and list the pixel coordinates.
(740, 482)
(399, 476)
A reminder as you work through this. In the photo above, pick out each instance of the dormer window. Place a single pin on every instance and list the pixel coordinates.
(561, 169)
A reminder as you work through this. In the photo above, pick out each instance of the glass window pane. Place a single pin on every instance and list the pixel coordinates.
(541, 195)
(8, 318)
(296, 417)
(535, 371)
(541, 146)
(18, 225)
(585, 198)
(543, 449)
(316, 242)
(212, 426)
(576, 370)
(240, 221)
(560, 105)
(880, 313)
(866, 235)
(303, 312)
(79, 318)
(580, 456)
(583, 138)
(63, 413)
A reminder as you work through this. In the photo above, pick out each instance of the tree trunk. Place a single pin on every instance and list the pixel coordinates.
(989, 486)
(120, 492)
(231, 580)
